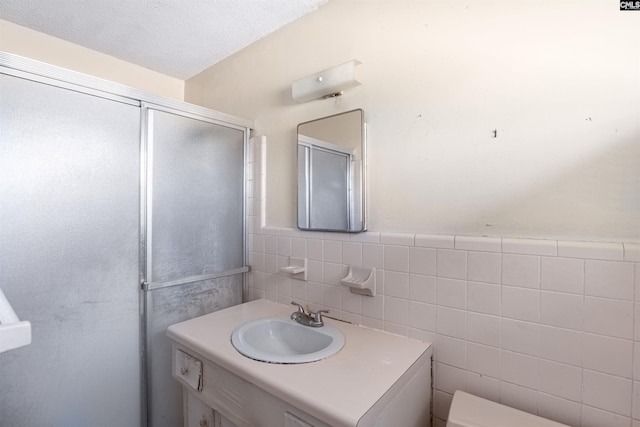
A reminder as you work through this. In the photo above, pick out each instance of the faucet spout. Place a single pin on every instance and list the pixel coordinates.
(308, 319)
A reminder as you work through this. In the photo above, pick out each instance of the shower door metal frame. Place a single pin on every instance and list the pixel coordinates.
(18, 66)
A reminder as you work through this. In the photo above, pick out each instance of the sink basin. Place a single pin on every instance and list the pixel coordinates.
(282, 340)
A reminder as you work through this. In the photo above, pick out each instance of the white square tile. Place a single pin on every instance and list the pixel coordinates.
(422, 316)
(373, 255)
(332, 297)
(354, 318)
(524, 399)
(258, 243)
(451, 293)
(561, 345)
(373, 307)
(271, 263)
(484, 267)
(607, 392)
(451, 351)
(519, 369)
(637, 285)
(271, 245)
(451, 322)
(591, 250)
(521, 337)
(352, 253)
(451, 264)
(593, 417)
(396, 328)
(561, 380)
(284, 286)
(631, 252)
(521, 270)
(396, 310)
(477, 243)
(257, 262)
(424, 336)
(351, 302)
(315, 249)
(483, 298)
(422, 261)
(449, 378)
(635, 405)
(422, 288)
(483, 386)
(483, 359)
(609, 279)
(441, 404)
(400, 239)
(396, 284)
(271, 284)
(530, 247)
(521, 303)
(559, 410)
(284, 246)
(315, 271)
(299, 247)
(299, 290)
(636, 360)
(560, 309)
(483, 329)
(333, 273)
(562, 275)
(608, 317)
(608, 355)
(435, 241)
(396, 258)
(333, 251)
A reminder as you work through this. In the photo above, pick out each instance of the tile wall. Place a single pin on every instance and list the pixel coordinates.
(549, 327)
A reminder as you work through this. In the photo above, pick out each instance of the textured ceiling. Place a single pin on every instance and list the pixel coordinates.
(179, 38)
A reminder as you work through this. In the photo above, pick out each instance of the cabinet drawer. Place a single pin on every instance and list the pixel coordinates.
(188, 369)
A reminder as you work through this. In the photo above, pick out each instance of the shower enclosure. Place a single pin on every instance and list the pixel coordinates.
(120, 214)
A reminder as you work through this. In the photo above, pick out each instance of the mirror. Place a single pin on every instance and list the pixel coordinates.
(331, 173)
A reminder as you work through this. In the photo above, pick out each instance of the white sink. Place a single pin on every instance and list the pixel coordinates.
(282, 340)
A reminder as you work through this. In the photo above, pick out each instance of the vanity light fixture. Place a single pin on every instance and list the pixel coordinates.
(326, 84)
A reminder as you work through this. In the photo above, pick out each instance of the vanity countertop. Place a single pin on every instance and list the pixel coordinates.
(338, 390)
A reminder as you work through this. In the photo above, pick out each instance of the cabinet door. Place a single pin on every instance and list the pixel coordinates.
(222, 421)
(196, 413)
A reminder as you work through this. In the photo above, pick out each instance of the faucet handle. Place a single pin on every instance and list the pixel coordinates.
(300, 308)
(318, 315)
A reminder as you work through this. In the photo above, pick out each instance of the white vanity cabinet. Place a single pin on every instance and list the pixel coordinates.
(377, 379)
(226, 400)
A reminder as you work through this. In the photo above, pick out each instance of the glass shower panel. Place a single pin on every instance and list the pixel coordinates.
(329, 189)
(165, 307)
(69, 224)
(197, 197)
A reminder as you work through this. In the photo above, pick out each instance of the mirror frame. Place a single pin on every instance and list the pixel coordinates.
(356, 223)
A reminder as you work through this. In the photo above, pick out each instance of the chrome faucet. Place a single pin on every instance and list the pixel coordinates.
(307, 319)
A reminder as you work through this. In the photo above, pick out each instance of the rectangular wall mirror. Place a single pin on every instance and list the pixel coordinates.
(331, 173)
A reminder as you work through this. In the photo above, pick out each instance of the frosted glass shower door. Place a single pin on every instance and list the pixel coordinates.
(69, 227)
(194, 237)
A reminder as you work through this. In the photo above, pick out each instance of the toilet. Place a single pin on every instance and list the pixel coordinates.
(468, 410)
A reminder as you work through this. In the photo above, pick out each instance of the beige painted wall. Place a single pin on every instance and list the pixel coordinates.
(42, 47)
(557, 80)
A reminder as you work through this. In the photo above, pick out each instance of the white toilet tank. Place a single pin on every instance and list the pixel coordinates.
(468, 410)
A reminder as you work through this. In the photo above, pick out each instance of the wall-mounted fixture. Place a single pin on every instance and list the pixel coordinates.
(332, 173)
(326, 84)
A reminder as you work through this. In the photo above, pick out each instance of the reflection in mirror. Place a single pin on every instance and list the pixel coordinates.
(331, 173)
